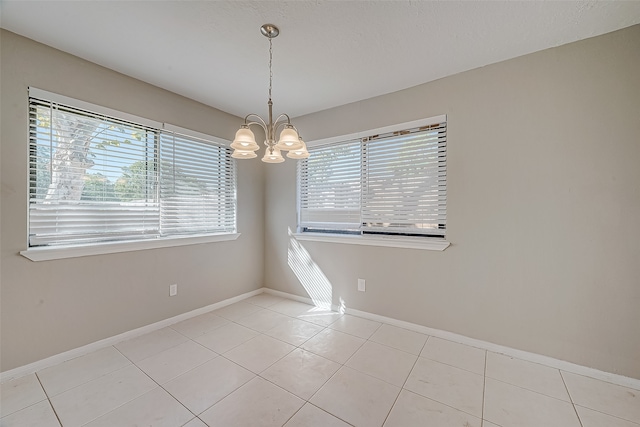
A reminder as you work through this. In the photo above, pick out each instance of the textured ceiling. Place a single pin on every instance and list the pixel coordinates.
(328, 53)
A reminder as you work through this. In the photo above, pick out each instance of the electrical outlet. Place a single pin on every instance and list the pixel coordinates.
(173, 290)
(361, 285)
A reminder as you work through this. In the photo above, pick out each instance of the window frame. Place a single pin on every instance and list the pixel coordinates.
(385, 240)
(41, 253)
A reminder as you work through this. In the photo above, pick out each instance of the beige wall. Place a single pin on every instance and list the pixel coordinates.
(543, 207)
(546, 261)
(53, 306)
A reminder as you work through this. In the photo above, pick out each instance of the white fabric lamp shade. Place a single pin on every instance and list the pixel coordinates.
(273, 157)
(245, 140)
(289, 139)
(243, 154)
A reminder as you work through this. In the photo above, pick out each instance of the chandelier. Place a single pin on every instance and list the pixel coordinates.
(245, 145)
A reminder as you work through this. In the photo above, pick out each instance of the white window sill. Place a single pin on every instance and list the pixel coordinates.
(425, 243)
(60, 252)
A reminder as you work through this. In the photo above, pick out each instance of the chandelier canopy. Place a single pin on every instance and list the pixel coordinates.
(245, 145)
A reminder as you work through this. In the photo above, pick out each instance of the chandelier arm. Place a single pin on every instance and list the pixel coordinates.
(281, 117)
(287, 124)
(260, 121)
(282, 120)
(264, 127)
(278, 126)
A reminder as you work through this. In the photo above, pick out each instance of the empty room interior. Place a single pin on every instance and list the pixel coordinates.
(246, 213)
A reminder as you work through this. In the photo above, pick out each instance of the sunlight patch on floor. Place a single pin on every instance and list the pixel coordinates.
(309, 275)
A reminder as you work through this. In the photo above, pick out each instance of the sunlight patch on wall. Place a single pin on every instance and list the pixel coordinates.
(309, 274)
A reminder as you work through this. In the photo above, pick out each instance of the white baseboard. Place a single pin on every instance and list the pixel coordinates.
(293, 297)
(508, 351)
(520, 354)
(97, 345)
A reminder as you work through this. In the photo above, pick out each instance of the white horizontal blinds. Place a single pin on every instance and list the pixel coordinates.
(330, 184)
(92, 177)
(404, 179)
(197, 186)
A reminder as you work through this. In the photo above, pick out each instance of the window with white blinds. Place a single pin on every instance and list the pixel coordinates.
(94, 178)
(197, 188)
(387, 184)
(330, 184)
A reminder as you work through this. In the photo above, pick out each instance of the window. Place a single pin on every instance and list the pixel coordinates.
(95, 178)
(391, 183)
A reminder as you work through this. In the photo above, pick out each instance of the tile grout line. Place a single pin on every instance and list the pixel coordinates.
(333, 415)
(225, 397)
(531, 391)
(356, 350)
(452, 366)
(256, 373)
(373, 376)
(231, 361)
(86, 382)
(405, 380)
(48, 399)
(160, 385)
(257, 331)
(484, 388)
(168, 348)
(294, 414)
(276, 385)
(354, 335)
(592, 409)
(274, 311)
(442, 403)
(264, 333)
(573, 405)
(432, 399)
(137, 397)
(609, 415)
(195, 417)
(342, 365)
(304, 400)
(122, 404)
(26, 407)
(272, 328)
(179, 401)
(131, 363)
(192, 339)
(322, 385)
(380, 379)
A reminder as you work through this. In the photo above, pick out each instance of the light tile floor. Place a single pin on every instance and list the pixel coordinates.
(268, 361)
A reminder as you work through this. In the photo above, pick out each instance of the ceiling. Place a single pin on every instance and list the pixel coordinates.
(328, 53)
